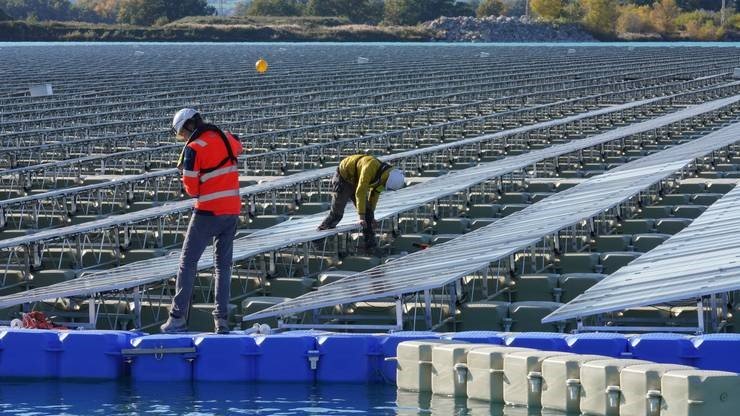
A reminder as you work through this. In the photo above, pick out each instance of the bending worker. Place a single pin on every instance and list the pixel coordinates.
(209, 173)
(361, 178)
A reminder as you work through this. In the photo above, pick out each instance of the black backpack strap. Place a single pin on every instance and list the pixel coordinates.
(230, 154)
(384, 167)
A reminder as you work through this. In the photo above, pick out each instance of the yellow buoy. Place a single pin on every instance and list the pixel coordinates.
(261, 66)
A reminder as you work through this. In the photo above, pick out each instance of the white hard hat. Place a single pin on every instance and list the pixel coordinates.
(181, 117)
(395, 181)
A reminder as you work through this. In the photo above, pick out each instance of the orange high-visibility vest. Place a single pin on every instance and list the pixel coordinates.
(210, 174)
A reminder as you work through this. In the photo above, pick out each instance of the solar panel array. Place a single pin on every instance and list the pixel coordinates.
(92, 206)
(442, 264)
(700, 260)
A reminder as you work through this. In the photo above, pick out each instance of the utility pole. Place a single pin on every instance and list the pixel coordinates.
(722, 13)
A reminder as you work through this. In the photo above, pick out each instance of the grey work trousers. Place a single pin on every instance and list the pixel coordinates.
(202, 231)
(343, 192)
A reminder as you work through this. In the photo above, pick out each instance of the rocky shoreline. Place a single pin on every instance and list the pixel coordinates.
(506, 29)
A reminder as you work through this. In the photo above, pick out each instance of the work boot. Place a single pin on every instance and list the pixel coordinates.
(221, 326)
(371, 243)
(174, 325)
(374, 252)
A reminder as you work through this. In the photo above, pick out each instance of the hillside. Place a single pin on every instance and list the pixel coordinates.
(217, 29)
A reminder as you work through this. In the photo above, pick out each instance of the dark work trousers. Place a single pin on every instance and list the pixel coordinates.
(343, 192)
(202, 232)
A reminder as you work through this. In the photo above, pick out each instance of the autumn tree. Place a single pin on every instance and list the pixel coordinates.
(664, 16)
(104, 10)
(635, 19)
(601, 16)
(490, 8)
(547, 10)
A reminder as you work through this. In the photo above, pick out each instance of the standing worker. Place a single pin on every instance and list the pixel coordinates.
(361, 178)
(211, 175)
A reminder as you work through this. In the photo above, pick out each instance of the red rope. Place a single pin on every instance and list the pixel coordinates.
(38, 320)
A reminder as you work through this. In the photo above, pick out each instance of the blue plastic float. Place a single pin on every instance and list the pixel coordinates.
(286, 358)
(92, 354)
(480, 337)
(349, 359)
(225, 358)
(162, 358)
(664, 348)
(29, 353)
(547, 341)
(718, 352)
(304, 356)
(599, 343)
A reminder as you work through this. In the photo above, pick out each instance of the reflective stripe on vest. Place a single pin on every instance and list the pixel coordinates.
(218, 195)
(219, 172)
(190, 173)
(201, 143)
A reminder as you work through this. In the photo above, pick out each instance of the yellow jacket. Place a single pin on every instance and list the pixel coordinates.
(361, 171)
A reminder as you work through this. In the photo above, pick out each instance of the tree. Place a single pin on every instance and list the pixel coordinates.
(275, 8)
(548, 10)
(601, 16)
(147, 12)
(357, 11)
(460, 8)
(240, 9)
(634, 19)
(411, 12)
(490, 8)
(664, 16)
(708, 30)
(4, 16)
(38, 9)
(98, 10)
(375, 11)
(403, 12)
(140, 12)
(734, 21)
(177, 9)
(711, 5)
(515, 7)
(344, 8)
(572, 12)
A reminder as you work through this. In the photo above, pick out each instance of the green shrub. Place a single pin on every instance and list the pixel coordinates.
(490, 8)
(358, 11)
(601, 16)
(664, 16)
(634, 19)
(275, 8)
(411, 12)
(734, 21)
(547, 10)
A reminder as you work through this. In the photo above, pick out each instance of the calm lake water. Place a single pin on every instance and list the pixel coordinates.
(36, 398)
